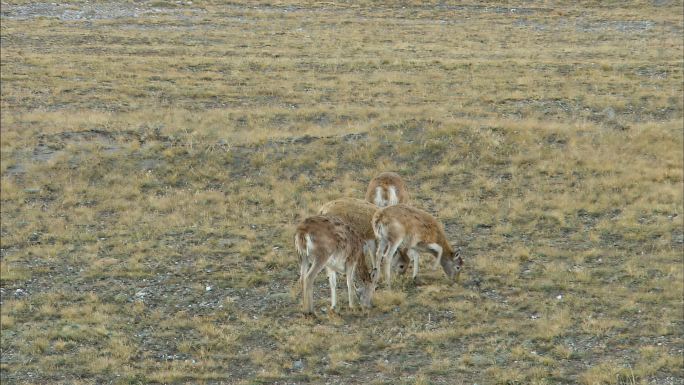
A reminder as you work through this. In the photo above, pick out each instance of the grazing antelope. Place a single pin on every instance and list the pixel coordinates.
(328, 242)
(358, 214)
(387, 189)
(402, 227)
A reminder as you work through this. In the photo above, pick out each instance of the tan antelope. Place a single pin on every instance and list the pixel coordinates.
(387, 189)
(358, 214)
(328, 242)
(402, 227)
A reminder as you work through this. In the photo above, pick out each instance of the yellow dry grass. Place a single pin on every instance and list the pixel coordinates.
(156, 160)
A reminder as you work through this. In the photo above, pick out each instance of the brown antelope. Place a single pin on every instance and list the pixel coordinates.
(387, 189)
(358, 214)
(328, 242)
(402, 227)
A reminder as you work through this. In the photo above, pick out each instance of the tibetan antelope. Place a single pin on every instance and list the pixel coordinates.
(328, 242)
(402, 227)
(387, 189)
(358, 214)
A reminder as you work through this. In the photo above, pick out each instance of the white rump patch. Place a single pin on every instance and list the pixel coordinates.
(309, 244)
(378, 197)
(392, 196)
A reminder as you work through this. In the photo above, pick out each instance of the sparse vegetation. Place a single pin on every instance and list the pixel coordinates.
(156, 157)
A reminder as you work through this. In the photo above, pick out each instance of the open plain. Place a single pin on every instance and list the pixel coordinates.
(157, 156)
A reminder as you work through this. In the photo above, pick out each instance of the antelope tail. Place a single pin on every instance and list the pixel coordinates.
(300, 244)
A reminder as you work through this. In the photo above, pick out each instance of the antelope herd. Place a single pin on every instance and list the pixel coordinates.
(360, 238)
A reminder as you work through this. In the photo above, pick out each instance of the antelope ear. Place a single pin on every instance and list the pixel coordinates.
(458, 259)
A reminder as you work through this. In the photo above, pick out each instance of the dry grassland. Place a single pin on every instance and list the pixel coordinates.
(156, 156)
